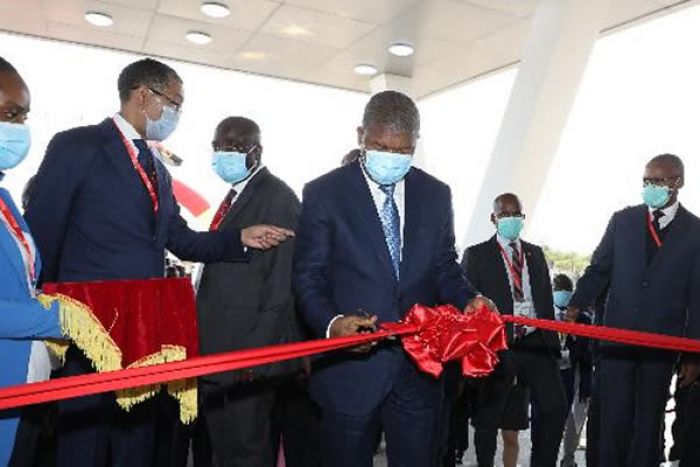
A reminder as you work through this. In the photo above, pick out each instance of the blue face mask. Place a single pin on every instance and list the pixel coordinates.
(656, 196)
(387, 168)
(14, 144)
(231, 166)
(562, 298)
(509, 227)
(159, 130)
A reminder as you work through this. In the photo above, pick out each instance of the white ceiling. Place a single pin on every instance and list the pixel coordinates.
(317, 41)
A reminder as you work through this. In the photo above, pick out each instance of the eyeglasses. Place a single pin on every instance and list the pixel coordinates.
(175, 104)
(509, 214)
(670, 181)
(242, 148)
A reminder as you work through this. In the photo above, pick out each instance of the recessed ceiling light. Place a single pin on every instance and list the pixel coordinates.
(215, 9)
(296, 30)
(400, 49)
(365, 69)
(198, 37)
(99, 19)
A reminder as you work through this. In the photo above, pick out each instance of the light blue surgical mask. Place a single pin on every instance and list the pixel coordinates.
(387, 168)
(159, 130)
(509, 227)
(231, 166)
(656, 196)
(15, 141)
(562, 298)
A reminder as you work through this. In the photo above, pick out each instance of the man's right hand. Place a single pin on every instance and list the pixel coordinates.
(571, 314)
(264, 237)
(352, 325)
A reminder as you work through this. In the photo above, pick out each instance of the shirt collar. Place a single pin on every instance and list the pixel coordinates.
(669, 212)
(505, 243)
(126, 128)
(240, 186)
(398, 186)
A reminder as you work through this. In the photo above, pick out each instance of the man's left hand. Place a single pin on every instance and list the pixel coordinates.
(688, 373)
(479, 302)
(264, 237)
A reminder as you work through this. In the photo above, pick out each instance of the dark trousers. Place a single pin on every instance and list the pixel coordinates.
(238, 418)
(94, 431)
(296, 424)
(690, 428)
(593, 425)
(634, 385)
(409, 422)
(463, 407)
(539, 371)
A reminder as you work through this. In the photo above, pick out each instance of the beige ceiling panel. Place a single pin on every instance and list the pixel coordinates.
(83, 35)
(520, 8)
(450, 20)
(287, 53)
(247, 15)
(512, 37)
(143, 4)
(370, 11)
(129, 21)
(172, 29)
(30, 19)
(626, 10)
(316, 27)
(187, 53)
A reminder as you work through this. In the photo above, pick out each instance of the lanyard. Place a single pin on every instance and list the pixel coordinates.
(18, 233)
(142, 173)
(652, 231)
(514, 276)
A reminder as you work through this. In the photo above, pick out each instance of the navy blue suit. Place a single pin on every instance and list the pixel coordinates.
(342, 266)
(93, 219)
(653, 290)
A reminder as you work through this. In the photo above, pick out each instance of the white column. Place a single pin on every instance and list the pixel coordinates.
(403, 84)
(553, 62)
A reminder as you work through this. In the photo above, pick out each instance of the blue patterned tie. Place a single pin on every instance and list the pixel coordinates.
(391, 224)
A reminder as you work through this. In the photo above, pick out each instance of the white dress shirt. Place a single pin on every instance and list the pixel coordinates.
(505, 244)
(669, 214)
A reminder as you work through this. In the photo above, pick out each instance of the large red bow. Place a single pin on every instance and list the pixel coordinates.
(445, 333)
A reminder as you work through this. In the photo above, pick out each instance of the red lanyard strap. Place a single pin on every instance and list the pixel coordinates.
(142, 173)
(18, 233)
(514, 274)
(652, 231)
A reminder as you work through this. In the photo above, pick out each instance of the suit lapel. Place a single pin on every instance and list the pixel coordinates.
(161, 180)
(413, 213)
(245, 196)
(365, 210)
(676, 229)
(499, 269)
(9, 244)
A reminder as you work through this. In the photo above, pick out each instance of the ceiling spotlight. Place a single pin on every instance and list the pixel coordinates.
(99, 19)
(365, 69)
(198, 37)
(215, 9)
(401, 49)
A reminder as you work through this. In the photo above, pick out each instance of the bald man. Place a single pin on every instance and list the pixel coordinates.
(246, 305)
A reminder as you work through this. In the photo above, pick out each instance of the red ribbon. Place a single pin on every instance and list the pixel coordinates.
(431, 336)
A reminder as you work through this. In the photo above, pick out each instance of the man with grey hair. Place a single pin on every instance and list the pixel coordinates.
(363, 263)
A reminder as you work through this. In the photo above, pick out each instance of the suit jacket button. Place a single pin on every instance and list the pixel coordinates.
(645, 284)
(400, 296)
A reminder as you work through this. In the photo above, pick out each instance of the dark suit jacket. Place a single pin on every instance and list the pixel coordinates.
(342, 265)
(487, 272)
(93, 219)
(662, 296)
(245, 305)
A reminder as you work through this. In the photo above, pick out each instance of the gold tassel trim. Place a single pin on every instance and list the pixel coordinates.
(90, 336)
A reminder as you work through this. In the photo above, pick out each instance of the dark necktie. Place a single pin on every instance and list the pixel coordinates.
(518, 294)
(658, 214)
(146, 161)
(224, 208)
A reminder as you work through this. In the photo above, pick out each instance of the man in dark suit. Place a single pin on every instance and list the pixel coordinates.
(246, 305)
(376, 236)
(650, 259)
(103, 208)
(515, 275)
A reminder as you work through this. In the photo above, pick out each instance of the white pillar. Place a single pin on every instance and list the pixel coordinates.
(403, 84)
(553, 62)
